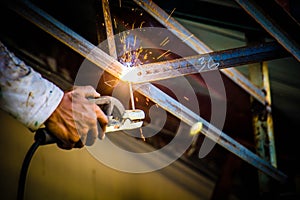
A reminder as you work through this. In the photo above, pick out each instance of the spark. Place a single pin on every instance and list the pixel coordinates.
(186, 98)
(170, 14)
(120, 3)
(141, 25)
(142, 136)
(145, 56)
(164, 42)
(167, 54)
(163, 54)
(115, 23)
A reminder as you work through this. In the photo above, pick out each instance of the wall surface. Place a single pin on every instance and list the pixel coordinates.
(76, 174)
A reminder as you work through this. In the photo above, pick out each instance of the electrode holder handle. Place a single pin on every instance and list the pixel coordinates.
(44, 137)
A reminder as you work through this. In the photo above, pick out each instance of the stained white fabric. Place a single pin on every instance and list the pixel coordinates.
(24, 93)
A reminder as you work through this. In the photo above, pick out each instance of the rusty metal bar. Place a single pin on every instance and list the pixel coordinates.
(111, 42)
(258, 123)
(283, 29)
(262, 118)
(269, 122)
(104, 61)
(69, 38)
(210, 131)
(188, 38)
(207, 62)
(109, 29)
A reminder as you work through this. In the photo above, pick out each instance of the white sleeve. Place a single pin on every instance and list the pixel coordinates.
(24, 93)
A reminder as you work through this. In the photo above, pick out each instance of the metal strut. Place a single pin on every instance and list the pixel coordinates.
(276, 22)
(207, 62)
(187, 37)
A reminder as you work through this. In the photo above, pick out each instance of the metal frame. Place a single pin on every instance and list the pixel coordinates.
(112, 66)
(181, 32)
(207, 62)
(284, 29)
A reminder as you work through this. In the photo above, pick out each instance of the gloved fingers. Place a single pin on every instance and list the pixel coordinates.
(65, 146)
(91, 136)
(101, 131)
(103, 121)
(70, 143)
(73, 142)
(86, 91)
(79, 144)
(83, 139)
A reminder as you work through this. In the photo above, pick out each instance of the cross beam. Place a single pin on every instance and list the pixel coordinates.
(276, 22)
(207, 62)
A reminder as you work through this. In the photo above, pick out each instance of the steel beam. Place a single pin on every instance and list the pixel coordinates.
(109, 29)
(276, 22)
(106, 62)
(259, 125)
(269, 122)
(261, 117)
(208, 62)
(193, 42)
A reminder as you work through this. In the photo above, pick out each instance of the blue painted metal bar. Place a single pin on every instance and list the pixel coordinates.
(207, 62)
(287, 36)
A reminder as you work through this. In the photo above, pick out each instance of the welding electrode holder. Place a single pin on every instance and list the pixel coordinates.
(109, 105)
(43, 136)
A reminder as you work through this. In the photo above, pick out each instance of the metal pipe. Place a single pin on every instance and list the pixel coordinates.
(104, 61)
(188, 38)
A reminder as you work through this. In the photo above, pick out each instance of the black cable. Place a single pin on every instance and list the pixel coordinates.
(41, 137)
(24, 169)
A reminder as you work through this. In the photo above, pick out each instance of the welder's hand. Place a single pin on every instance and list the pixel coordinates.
(75, 120)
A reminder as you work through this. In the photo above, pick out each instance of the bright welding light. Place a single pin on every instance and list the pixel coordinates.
(128, 74)
(130, 60)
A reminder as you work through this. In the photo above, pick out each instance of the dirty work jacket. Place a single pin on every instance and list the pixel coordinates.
(24, 94)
